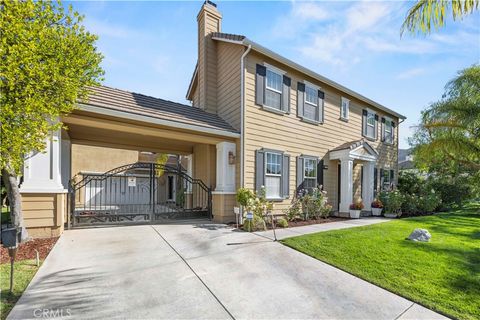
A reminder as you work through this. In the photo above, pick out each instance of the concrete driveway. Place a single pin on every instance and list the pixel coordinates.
(197, 271)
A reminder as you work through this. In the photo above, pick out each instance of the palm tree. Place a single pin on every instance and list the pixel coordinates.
(427, 13)
(451, 126)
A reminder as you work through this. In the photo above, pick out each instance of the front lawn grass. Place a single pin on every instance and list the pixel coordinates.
(443, 274)
(23, 273)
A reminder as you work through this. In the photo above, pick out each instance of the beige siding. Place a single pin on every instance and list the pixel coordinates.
(99, 159)
(208, 22)
(289, 134)
(44, 213)
(228, 82)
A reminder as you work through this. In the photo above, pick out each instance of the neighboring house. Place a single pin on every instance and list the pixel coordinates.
(258, 119)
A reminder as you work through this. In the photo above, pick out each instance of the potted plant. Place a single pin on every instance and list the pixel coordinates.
(377, 207)
(356, 209)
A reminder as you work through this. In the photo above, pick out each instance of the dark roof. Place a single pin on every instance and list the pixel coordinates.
(228, 36)
(407, 164)
(136, 103)
(349, 145)
(355, 144)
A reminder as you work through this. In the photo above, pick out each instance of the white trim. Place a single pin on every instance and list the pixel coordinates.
(190, 86)
(227, 40)
(223, 192)
(311, 85)
(242, 115)
(35, 190)
(148, 119)
(274, 69)
(347, 113)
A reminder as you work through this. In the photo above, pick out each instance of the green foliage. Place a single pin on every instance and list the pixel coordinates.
(392, 201)
(433, 192)
(309, 205)
(48, 60)
(294, 211)
(282, 223)
(446, 144)
(256, 204)
(244, 197)
(442, 274)
(426, 14)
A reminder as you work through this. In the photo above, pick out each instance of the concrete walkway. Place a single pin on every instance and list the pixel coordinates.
(314, 228)
(197, 271)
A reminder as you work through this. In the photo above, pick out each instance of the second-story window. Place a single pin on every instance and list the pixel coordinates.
(370, 120)
(388, 131)
(311, 103)
(344, 108)
(273, 92)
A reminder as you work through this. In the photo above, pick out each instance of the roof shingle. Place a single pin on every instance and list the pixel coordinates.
(136, 103)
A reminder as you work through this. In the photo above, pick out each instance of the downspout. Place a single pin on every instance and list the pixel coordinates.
(242, 114)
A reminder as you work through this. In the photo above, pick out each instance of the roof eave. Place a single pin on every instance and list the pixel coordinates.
(259, 48)
(148, 119)
(192, 81)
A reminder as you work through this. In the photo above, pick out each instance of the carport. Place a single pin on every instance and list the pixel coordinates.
(116, 130)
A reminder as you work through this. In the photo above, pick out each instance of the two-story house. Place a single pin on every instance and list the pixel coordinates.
(256, 119)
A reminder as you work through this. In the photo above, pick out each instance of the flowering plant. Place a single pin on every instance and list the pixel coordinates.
(357, 206)
(377, 204)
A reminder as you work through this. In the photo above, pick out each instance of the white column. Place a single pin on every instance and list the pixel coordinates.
(189, 169)
(42, 170)
(226, 169)
(346, 183)
(367, 190)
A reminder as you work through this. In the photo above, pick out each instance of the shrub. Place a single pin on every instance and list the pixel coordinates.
(294, 211)
(257, 224)
(392, 201)
(256, 204)
(377, 204)
(282, 223)
(357, 205)
(453, 191)
(429, 202)
(244, 197)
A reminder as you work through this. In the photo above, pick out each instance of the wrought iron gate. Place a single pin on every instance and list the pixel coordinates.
(138, 193)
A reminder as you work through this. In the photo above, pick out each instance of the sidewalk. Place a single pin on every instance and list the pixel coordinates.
(283, 233)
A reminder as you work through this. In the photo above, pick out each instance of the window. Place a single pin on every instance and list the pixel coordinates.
(273, 92)
(344, 109)
(310, 173)
(388, 131)
(386, 181)
(370, 124)
(311, 103)
(273, 175)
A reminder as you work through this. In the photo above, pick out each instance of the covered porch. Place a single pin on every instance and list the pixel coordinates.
(117, 129)
(356, 164)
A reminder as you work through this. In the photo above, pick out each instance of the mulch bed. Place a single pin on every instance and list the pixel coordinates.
(299, 223)
(26, 251)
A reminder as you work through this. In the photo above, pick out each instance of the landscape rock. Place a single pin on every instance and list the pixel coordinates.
(420, 235)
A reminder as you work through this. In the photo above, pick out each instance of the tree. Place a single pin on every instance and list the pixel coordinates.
(426, 14)
(447, 141)
(48, 60)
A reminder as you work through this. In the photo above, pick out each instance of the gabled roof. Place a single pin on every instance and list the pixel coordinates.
(170, 112)
(352, 145)
(242, 40)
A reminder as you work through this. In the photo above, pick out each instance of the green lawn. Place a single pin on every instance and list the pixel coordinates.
(443, 275)
(23, 273)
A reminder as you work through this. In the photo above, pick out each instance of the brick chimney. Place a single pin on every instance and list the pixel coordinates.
(209, 20)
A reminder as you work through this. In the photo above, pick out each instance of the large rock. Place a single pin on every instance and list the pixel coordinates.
(420, 235)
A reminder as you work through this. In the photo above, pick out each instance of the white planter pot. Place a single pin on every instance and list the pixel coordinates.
(390, 215)
(377, 211)
(355, 214)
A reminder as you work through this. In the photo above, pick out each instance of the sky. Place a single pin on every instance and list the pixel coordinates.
(150, 47)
